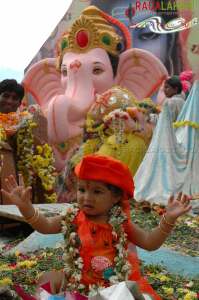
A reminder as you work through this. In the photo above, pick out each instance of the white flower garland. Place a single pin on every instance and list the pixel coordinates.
(73, 262)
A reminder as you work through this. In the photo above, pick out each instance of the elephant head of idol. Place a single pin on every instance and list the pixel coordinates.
(92, 56)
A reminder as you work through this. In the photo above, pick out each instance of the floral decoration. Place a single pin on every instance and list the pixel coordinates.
(73, 262)
(186, 123)
(167, 285)
(37, 161)
(31, 161)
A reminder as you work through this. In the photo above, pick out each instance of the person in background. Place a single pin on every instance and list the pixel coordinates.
(20, 134)
(11, 95)
(174, 97)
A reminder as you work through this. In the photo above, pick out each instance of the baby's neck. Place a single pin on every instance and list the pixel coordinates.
(101, 219)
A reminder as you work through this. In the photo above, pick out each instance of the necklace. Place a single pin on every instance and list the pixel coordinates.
(73, 262)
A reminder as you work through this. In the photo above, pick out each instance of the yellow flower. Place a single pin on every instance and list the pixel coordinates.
(4, 267)
(186, 123)
(190, 296)
(164, 278)
(180, 290)
(26, 264)
(168, 291)
(39, 149)
(2, 133)
(17, 253)
(33, 163)
(5, 281)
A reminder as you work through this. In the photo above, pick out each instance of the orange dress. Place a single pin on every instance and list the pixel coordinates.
(98, 253)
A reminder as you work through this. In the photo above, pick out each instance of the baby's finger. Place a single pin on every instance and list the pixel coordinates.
(184, 198)
(8, 185)
(27, 193)
(187, 208)
(12, 181)
(171, 198)
(179, 196)
(21, 181)
(6, 195)
(186, 202)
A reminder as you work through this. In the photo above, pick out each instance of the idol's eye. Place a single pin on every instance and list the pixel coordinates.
(97, 70)
(148, 36)
(64, 72)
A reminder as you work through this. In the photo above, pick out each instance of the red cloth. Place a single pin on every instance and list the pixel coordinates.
(20, 291)
(93, 236)
(106, 169)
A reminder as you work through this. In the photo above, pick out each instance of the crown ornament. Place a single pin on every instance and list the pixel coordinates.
(94, 29)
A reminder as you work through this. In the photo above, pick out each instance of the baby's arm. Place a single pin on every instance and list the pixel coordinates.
(154, 239)
(147, 240)
(21, 197)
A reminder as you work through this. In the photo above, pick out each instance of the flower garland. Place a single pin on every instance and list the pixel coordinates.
(10, 122)
(73, 263)
(31, 161)
(25, 150)
(2, 134)
(37, 161)
(42, 163)
(186, 123)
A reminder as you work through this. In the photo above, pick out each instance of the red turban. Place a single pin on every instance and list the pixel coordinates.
(106, 169)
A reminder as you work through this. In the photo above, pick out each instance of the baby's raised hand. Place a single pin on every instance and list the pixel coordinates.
(177, 206)
(16, 193)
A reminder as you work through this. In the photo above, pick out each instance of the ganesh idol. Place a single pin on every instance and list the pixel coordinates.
(93, 56)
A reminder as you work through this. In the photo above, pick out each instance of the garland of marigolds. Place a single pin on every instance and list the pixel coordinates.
(32, 161)
(186, 123)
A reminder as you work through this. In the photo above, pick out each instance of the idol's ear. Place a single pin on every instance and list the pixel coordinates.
(43, 81)
(140, 72)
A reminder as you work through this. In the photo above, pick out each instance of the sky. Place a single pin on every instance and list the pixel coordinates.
(24, 27)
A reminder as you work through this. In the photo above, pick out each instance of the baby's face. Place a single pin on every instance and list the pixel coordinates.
(95, 199)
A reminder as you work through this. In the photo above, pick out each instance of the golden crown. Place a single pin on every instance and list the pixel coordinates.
(93, 29)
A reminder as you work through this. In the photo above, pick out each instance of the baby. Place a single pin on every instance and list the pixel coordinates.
(98, 228)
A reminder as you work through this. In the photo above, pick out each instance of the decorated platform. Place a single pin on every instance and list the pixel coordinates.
(173, 270)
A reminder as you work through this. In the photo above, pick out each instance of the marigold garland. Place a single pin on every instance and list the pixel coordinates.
(37, 161)
(2, 133)
(31, 161)
(186, 123)
(25, 151)
(42, 163)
